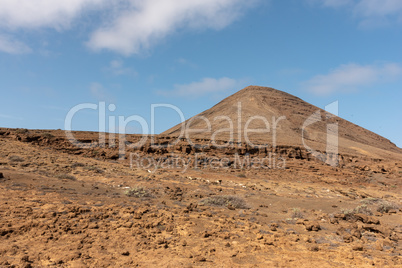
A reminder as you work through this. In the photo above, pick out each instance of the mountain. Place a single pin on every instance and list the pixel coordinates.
(274, 117)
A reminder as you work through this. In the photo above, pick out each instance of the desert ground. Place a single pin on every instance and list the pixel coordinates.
(63, 206)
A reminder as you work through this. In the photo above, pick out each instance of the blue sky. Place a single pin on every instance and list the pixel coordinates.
(55, 55)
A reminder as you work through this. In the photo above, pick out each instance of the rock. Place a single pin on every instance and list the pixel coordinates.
(377, 214)
(366, 219)
(25, 258)
(356, 233)
(377, 229)
(373, 220)
(394, 237)
(313, 248)
(93, 225)
(334, 221)
(301, 221)
(191, 207)
(358, 247)
(200, 259)
(206, 234)
(347, 238)
(361, 217)
(128, 224)
(339, 216)
(231, 207)
(312, 226)
(269, 241)
(379, 245)
(274, 226)
(1, 175)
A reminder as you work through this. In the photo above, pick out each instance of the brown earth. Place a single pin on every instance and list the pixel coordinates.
(272, 105)
(65, 206)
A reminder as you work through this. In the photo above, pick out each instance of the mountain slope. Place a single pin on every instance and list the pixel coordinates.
(280, 118)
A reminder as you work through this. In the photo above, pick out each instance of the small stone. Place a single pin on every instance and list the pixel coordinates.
(206, 234)
(356, 233)
(25, 258)
(358, 247)
(347, 238)
(200, 259)
(1, 175)
(231, 207)
(269, 241)
(125, 253)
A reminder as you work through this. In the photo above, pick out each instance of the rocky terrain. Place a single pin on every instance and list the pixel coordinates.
(69, 207)
(172, 203)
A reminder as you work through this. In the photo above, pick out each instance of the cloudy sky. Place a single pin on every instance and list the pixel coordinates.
(55, 55)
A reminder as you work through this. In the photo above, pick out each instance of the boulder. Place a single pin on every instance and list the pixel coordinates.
(312, 226)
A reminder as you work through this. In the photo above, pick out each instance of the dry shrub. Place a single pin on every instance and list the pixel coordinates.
(75, 165)
(363, 209)
(16, 158)
(225, 201)
(47, 135)
(297, 214)
(383, 206)
(21, 131)
(138, 192)
(386, 206)
(94, 169)
(66, 177)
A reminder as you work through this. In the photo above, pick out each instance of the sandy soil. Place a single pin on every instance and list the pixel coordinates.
(64, 207)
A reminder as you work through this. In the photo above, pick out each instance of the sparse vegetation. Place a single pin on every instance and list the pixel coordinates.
(66, 177)
(21, 130)
(363, 209)
(386, 206)
(371, 200)
(47, 135)
(94, 169)
(225, 201)
(297, 214)
(75, 165)
(16, 158)
(383, 206)
(138, 192)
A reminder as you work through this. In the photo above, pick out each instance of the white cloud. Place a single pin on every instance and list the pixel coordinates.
(204, 87)
(370, 12)
(57, 14)
(368, 8)
(116, 67)
(8, 45)
(36, 14)
(148, 22)
(128, 26)
(351, 77)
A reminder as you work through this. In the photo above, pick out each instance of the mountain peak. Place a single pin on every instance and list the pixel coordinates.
(261, 115)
